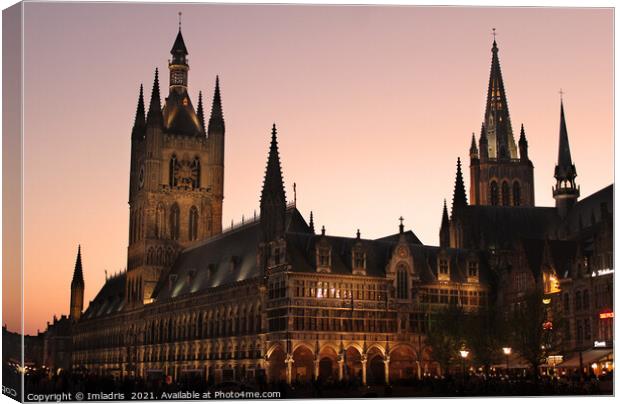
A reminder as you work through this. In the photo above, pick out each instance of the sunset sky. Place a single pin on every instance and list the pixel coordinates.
(373, 107)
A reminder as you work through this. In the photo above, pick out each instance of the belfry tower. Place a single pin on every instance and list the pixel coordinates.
(176, 185)
(498, 174)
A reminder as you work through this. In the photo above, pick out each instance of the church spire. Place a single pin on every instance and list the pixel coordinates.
(140, 119)
(216, 121)
(200, 111)
(444, 230)
(273, 196)
(154, 116)
(78, 276)
(565, 191)
(77, 289)
(459, 198)
(496, 117)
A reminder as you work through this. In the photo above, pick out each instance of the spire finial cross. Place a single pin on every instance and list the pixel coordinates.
(180, 14)
(561, 92)
(401, 220)
(494, 34)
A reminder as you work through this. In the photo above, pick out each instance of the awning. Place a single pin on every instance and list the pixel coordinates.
(515, 362)
(588, 357)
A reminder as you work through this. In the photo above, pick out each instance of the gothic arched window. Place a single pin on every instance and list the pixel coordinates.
(494, 193)
(193, 223)
(505, 194)
(196, 170)
(516, 194)
(171, 172)
(174, 222)
(160, 219)
(402, 282)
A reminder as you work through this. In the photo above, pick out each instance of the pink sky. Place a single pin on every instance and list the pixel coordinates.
(373, 106)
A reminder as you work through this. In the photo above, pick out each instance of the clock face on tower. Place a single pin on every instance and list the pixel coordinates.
(177, 77)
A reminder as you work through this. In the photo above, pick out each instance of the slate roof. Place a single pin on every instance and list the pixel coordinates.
(109, 300)
(499, 227)
(588, 208)
(180, 118)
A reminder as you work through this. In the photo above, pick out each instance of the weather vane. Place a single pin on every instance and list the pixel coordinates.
(561, 94)
(180, 14)
(494, 33)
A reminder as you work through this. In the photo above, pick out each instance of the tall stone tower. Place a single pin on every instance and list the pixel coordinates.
(77, 289)
(566, 191)
(176, 177)
(498, 175)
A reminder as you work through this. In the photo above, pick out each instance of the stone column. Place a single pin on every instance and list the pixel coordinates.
(419, 369)
(364, 362)
(316, 369)
(289, 368)
(340, 368)
(386, 364)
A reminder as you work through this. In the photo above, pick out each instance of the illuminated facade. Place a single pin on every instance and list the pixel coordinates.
(272, 297)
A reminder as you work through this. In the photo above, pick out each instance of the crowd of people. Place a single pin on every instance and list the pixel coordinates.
(449, 385)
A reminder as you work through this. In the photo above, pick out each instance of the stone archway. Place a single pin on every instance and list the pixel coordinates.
(328, 364)
(402, 363)
(352, 364)
(376, 367)
(276, 365)
(303, 364)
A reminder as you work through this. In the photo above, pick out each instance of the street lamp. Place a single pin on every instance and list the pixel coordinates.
(507, 351)
(464, 353)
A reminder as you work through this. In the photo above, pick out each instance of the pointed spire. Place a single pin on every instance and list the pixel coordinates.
(200, 112)
(216, 121)
(140, 119)
(311, 224)
(179, 50)
(523, 145)
(566, 192)
(496, 116)
(473, 149)
(154, 116)
(445, 220)
(459, 198)
(273, 196)
(78, 276)
(565, 169)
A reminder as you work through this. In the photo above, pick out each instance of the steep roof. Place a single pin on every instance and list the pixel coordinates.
(180, 116)
(499, 227)
(109, 300)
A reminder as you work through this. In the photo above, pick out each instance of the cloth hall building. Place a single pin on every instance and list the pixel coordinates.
(315, 304)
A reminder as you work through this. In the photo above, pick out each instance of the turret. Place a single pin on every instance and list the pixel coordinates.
(484, 144)
(77, 289)
(566, 191)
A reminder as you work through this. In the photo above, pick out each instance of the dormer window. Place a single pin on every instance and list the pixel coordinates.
(444, 269)
(472, 270)
(324, 259)
(359, 260)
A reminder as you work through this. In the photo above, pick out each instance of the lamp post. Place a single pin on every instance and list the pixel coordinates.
(507, 351)
(464, 353)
